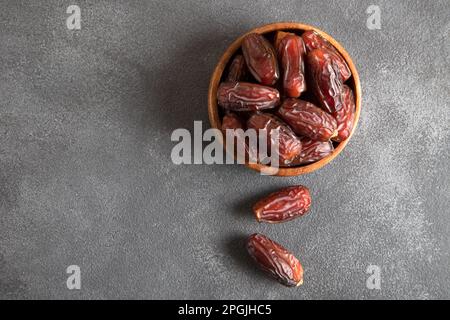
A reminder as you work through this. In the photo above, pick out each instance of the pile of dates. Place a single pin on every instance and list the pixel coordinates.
(295, 83)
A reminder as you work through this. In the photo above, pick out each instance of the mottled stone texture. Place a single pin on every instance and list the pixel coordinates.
(86, 176)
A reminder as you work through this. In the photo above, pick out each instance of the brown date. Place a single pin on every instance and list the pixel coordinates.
(237, 69)
(346, 115)
(291, 52)
(283, 205)
(312, 151)
(231, 121)
(308, 120)
(275, 260)
(244, 96)
(279, 35)
(324, 79)
(260, 58)
(313, 41)
(288, 143)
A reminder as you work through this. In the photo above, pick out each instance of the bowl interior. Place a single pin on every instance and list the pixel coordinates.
(216, 114)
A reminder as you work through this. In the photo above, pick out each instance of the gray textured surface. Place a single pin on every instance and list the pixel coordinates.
(86, 176)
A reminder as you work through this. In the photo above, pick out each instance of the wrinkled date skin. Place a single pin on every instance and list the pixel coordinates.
(275, 260)
(312, 151)
(291, 52)
(261, 59)
(289, 144)
(313, 41)
(237, 69)
(231, 121)
(283, 205)
(308, 120)
(279, 35)
(245, 96)
(345, 117)
(325, 81)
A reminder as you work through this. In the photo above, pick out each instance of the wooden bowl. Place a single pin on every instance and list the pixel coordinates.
(353, 83)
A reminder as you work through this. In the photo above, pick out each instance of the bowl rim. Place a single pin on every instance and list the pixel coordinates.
(213, 108)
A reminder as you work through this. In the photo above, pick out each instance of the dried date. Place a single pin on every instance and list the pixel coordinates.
(275, 260)
(324, 80)
(308, 120)
(260, 58)
(279, 35)
(312, 151)
(237, 69)
(283, 205)
(289, 145)
(313, 41)
(244, 96)
(232, 122)
(291, 52)
(345, 117)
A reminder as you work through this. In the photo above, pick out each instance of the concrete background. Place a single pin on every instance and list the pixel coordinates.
(86, 176)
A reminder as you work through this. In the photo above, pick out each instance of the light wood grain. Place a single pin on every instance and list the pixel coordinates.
(353, 83)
